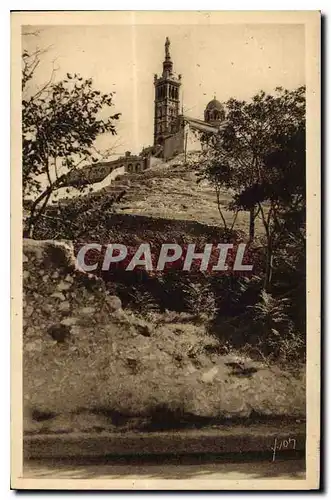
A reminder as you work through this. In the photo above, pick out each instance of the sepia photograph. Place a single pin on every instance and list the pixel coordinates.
(165, 188)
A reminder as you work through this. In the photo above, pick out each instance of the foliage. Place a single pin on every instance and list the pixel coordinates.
(60, 123)
(277, 334)
(260, 156)
(252, 131)
(83, 218)
(280, 196)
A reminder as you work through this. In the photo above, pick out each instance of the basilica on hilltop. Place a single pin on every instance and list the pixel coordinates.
(175, 132)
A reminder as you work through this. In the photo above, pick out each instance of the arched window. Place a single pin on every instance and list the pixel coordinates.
(138, 167)
(130, 167)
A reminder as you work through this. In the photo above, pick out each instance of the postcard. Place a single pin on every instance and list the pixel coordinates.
(165, 187)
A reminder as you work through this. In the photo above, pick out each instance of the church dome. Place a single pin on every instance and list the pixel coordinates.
(214, 112)
(214, 104)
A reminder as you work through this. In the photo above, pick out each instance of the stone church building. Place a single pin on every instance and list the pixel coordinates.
(175, 132)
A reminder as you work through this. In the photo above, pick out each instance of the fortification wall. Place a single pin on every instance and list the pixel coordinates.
(97, 173)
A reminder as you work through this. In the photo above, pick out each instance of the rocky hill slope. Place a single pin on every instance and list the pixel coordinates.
(90, 365)
(170, 190)
(167, 191)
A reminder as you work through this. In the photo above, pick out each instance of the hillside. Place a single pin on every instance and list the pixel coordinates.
(170, 190)
(89, 365)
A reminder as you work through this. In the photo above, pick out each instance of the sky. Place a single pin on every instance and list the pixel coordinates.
(229, 60)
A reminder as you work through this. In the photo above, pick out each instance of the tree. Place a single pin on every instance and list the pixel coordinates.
(60, 123)
(236, 160)
(280, 196)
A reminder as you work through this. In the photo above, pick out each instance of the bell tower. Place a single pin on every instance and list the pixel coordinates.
(166, 102)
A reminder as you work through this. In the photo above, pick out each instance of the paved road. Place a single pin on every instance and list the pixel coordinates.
(167, 469)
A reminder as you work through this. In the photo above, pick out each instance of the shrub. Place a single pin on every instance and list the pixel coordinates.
(275, 329)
